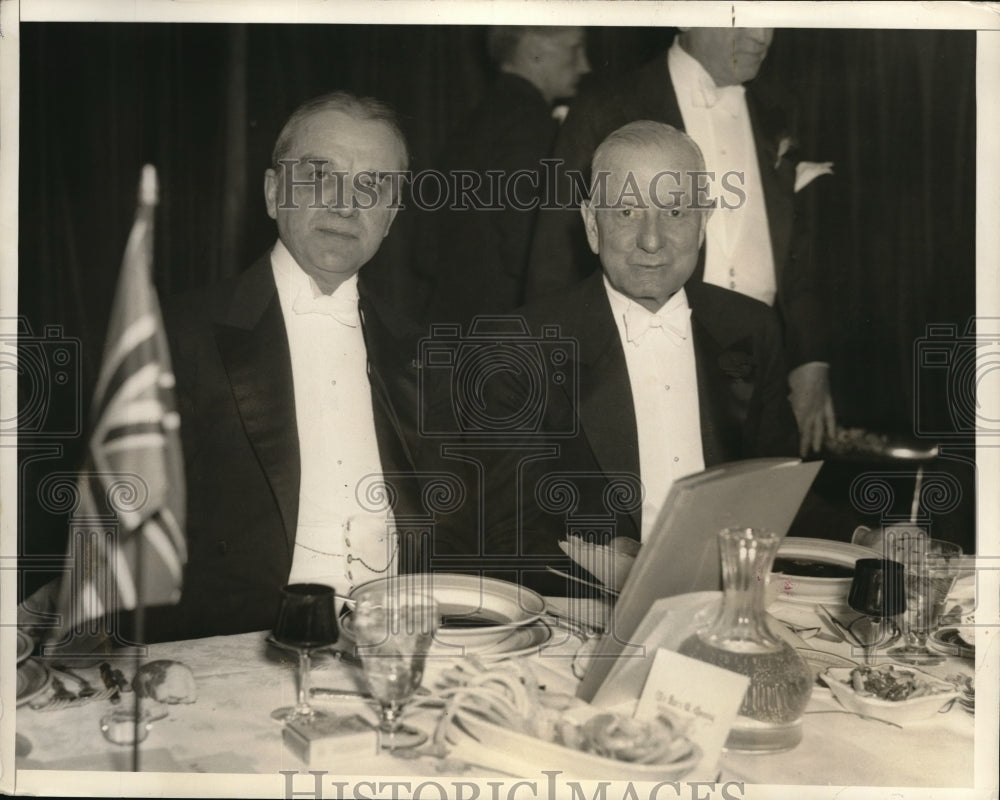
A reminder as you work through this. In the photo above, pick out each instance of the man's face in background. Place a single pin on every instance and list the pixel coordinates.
(730, 55)
(560, 58)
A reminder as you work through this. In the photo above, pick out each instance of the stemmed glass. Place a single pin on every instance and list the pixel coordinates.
(394, 623)
(878, 592)
(306, 622)
(931, 567)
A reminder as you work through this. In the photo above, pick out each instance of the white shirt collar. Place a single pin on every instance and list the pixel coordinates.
(623, 308)
(301, 295)
(692, 81)
(620, 302)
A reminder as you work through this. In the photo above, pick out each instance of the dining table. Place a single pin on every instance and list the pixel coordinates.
(227, 738)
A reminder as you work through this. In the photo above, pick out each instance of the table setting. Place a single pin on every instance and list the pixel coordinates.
(457, 675)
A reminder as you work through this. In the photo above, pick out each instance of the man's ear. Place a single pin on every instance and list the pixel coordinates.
(393, 210)
(590, 223)
(271, 193)
(705, 216)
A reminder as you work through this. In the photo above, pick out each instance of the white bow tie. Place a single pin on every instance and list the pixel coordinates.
(342, 309)
(675, 323)
(727, 98)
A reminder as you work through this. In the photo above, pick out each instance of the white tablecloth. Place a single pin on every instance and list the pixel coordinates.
(241, 680)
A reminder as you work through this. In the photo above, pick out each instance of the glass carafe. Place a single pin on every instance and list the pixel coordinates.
(739, 639)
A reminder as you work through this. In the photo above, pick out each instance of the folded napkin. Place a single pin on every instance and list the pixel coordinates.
(609, 565)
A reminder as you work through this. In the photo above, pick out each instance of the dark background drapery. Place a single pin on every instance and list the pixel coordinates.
(894, 111)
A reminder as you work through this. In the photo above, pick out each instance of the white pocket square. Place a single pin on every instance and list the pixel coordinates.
(808, 171)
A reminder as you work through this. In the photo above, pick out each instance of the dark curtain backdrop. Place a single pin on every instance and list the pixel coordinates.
(895, 111)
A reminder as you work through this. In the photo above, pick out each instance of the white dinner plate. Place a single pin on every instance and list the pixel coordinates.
(798, 554)
(478, 613)
(951, 642)
(33, 678)
(25, 644)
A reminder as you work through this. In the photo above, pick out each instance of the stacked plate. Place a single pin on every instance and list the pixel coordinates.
(951, 642)
(480, 616)
(33, 677)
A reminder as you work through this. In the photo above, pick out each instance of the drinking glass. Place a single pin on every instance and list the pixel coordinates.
(394, 623)
(930, 569)
(306, 622)
(878, 592)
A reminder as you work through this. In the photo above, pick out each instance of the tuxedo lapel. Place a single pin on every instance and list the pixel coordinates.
(777, 175)
(394, 387)
(656, 96)
(606, 412)
(253, 346)
(724, 391)
(712, 390)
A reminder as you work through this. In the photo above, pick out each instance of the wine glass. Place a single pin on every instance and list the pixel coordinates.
(394, 623)
(930, 568)
(878, 592)
(306, 622)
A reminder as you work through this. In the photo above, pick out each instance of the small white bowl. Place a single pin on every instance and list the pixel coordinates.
(900, 712)
(819, 554)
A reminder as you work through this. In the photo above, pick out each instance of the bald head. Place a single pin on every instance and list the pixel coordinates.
(643, 218)
(643, 140)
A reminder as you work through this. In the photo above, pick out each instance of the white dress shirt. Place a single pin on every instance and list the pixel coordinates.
(337, 541)
(738, 242)
(659, 354)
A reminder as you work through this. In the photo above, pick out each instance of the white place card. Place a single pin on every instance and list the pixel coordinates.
(703, 697)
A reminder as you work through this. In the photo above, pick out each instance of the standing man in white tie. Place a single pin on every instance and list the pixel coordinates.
(296, 387)
(758, 246)
(671, 376)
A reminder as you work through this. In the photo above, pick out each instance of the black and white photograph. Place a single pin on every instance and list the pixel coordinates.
(336, 459)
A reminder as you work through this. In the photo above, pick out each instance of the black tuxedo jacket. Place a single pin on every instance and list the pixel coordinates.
(588, 421)
(241, 450)
(511, 131)
(559, 253)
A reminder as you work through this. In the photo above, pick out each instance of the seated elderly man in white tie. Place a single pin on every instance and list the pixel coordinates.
(297, 387)
(760, 244)
(670, 376)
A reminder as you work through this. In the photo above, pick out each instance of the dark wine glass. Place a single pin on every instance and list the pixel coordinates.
(306, 621)
(878, 591)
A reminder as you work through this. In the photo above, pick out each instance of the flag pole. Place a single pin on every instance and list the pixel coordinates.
(148, 198)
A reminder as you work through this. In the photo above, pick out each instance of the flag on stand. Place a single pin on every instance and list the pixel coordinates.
(127, 547)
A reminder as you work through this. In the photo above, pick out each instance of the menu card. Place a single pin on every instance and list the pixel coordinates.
(682, 553)
(701, 698)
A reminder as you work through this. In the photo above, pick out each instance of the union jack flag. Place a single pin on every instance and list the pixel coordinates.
(127, 547)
